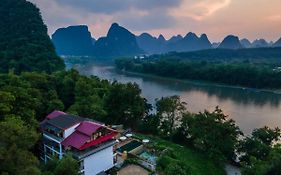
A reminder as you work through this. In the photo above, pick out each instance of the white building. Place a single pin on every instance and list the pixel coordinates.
(90, 143)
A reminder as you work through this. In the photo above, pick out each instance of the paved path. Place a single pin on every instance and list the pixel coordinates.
(132, 170)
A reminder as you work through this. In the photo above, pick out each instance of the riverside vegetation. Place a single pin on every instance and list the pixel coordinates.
(254, 68)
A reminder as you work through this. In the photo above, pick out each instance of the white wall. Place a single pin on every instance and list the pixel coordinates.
(69, 131)
(100, 161)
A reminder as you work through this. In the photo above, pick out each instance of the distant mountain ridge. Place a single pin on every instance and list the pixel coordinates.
(150, 44)
(230, 42)
(118, 42)
(258, 43)
(246, 43)
(277, 43)
(73, 40)
(121, 42)
(191, 42)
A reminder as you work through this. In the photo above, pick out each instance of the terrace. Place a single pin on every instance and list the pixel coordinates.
(130, 147)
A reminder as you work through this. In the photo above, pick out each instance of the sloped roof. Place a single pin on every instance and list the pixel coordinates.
(81, 137)
(65, 121)
(82, 134)
(98, 141)
(76, 140)
(88, 127)
(55, 114)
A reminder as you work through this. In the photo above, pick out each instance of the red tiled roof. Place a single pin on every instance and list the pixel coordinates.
(98, 141)
(76, 140)
(81, 138)
(88, 127)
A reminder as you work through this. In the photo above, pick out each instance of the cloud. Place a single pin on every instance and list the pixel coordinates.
(274, 18)
(146, 21)
(99, 14)
(115, 6)
(199, 9)
(217, 18)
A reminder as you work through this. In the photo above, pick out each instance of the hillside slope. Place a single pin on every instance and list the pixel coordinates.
(24, 42)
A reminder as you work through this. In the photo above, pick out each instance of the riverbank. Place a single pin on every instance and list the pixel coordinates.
(250, 75)
(200, 82)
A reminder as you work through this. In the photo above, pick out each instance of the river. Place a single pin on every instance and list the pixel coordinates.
(250, 108)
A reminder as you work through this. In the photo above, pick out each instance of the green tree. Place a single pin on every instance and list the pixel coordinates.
(259, 145)
(269, 166)
(212, 133)
(125, 105)
(149, 124)
(6, 103)
(169, 111)
(65, 82)
(89, 98)
(66, 166)
(170, 166)
(16, 139)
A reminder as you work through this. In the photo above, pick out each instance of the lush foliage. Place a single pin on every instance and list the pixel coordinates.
(171, 166)
(66, 166)
(125, 105)
(268, 166)
(212, 133)
(169, 112)
(259, 144)
(32, 96)
(225, 54)
(24, 42)
(241, 73)
(183, 160)
(27, 98)
(16, 140)
(208, 132)
(260, 155)
(215, 136)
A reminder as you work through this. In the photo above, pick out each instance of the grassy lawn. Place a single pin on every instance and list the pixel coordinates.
(199, 163)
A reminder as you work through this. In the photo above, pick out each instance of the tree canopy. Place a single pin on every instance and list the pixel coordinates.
(24, 42)
(247, 73)
(16, 140)
(169, 111)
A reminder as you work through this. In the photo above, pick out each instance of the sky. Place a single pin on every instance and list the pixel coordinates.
(252, 19)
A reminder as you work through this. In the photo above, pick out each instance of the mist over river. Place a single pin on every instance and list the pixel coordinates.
(250, 108)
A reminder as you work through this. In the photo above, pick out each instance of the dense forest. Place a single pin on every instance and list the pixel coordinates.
(240, 73)
(226, 54)
(24, 42)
